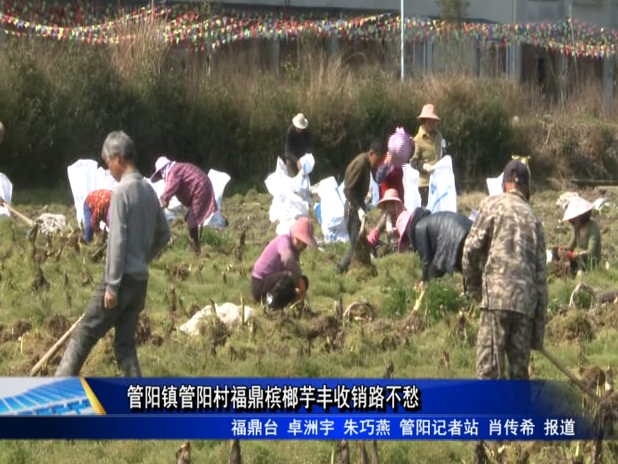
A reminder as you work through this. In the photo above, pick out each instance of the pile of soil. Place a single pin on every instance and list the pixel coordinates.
(16, 331)
(143, 332)
(570, 326)
(57, 325)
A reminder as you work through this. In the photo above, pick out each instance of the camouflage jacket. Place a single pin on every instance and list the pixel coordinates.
(505, 254)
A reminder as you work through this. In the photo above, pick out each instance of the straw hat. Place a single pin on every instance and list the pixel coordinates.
(429, 112)
(161, 162)
(302, 229)
(576, 208)
(390, 195)
(300, 121)
(402, 223)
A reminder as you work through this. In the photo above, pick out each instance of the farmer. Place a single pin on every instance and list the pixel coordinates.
(194, 190)
(357, 177)
(586, 236)
(438, 239)
(297, 143)
(504, 266)
(276, 278)
(138, 232)
(427, 149)
(96, 210)
(391, 206)
(390, 174)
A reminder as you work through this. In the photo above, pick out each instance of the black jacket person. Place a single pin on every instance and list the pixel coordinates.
(438, 239)
(297, 143)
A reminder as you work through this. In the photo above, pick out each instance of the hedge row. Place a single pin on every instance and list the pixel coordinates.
(60, 101)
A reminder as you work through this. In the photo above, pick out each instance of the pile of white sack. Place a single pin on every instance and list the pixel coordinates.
(442, 197)
(228, 313)
(85, 176)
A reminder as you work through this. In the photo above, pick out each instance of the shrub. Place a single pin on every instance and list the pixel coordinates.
(61, 99)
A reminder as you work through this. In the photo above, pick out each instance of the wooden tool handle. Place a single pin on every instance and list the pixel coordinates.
(54, 349)
(556, 362)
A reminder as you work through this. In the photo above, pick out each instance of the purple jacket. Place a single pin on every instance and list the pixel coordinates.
(193, 189)
(279, 255)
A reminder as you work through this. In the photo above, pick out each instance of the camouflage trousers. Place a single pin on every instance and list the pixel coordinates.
(503, 335)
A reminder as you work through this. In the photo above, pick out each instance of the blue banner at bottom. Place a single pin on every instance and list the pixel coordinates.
(277, 427)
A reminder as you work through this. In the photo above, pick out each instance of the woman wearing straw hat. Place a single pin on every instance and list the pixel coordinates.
(428, 146)
(438, 238)
(277, 278)
(586, 236)
(392, 207)
(297, 143)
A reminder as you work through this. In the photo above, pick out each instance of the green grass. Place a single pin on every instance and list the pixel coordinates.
(277, 346)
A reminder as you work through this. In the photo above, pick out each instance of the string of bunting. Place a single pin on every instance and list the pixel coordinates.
(181, 25)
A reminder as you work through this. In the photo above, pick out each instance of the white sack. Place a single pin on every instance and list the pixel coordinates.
(219, 181)
(6, 191)
(601, 203)
(564, 199)
(301, 185)
(442, 191)
(83, 180)
(412, 197)
(174, 208)
(228, 313)
(105, 180)
(494, 185)
(287, 205)
(331, 212)
(287, 209)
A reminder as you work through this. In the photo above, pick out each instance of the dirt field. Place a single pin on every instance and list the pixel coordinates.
(44, 289)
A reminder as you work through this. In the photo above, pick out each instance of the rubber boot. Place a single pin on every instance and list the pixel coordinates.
(72, 361)
(130, 367)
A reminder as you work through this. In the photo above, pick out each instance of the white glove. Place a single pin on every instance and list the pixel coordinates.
(361, 214)
(427, 167)
(389, 225)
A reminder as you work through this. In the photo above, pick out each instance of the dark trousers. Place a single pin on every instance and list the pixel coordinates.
(88, 232)
(292, 167)
(194, 234)
(280, 286)
(97, 321)
(353, 224)
(424, 191)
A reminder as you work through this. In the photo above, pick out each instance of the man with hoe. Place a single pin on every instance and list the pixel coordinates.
(138, 231)
(512, 285)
